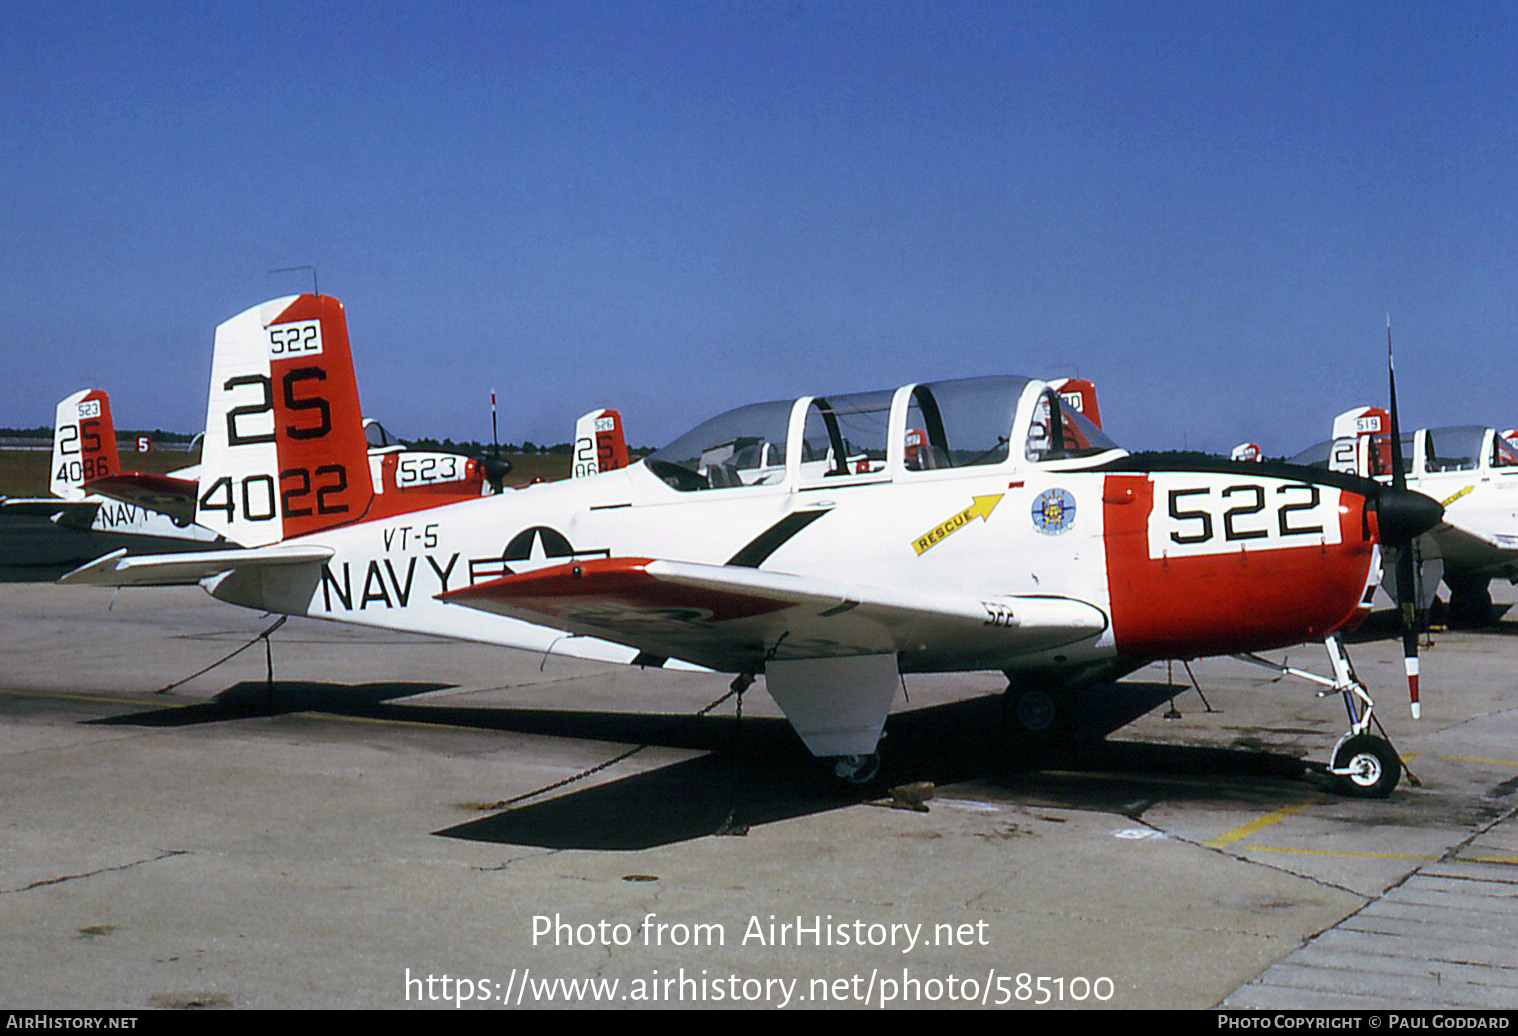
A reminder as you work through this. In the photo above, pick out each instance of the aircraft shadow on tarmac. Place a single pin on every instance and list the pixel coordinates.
(281, 697)
(1387, 625)
(762, 773)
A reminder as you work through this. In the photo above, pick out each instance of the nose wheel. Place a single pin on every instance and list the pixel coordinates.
(1366, 766)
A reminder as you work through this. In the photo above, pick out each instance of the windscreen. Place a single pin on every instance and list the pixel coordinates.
(743, 447)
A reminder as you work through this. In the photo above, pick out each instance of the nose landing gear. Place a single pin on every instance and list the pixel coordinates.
(1363, 765)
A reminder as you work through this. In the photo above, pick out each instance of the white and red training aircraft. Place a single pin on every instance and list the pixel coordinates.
(599, 444)
(85, 459)
(828, 543)
(1472, 471)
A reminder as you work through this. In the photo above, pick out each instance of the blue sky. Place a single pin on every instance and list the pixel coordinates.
(676, 208)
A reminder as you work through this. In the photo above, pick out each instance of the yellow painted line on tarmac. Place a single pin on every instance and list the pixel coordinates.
(1342, 853)
(1238, 834)
(341, 717)
(1481, 762)
(92, 699)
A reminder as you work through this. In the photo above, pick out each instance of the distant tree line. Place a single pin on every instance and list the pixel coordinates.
(466, 448)
(478, 449)
(45, 431)
(1183, 455)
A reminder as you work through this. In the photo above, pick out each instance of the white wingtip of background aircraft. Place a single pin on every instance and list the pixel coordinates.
(830, 544)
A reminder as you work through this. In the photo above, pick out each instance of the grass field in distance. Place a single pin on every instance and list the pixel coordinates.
(25, 472)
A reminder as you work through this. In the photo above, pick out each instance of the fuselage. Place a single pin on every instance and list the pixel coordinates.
(1181, 562)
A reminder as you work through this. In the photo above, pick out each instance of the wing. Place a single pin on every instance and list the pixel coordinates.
(735, 619)
(174, 497)
(120, 569)
(71, 514)
(1465, 548)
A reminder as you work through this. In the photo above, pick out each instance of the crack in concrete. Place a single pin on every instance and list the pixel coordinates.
(45, 882)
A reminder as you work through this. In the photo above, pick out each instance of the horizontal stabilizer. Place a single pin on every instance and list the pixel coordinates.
(735, 619)
(121, 569)
(71, 514)
(166, 494)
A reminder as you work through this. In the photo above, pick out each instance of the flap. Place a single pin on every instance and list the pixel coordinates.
(734, 619)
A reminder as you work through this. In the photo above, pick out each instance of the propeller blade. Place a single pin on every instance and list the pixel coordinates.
(1407, 602)
(1407, 564)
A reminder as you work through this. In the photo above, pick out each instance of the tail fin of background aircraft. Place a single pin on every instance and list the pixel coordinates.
(599, 443)
(1362, 442)
(284, 452)
(84, 443)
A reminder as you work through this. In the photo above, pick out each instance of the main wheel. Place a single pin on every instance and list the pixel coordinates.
(1372, 765)
(1033, 710)
(857, 770)
(1038, 723)
(1040, 712)
(1470, 603)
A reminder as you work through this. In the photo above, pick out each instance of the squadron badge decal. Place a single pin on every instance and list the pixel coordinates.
(1053, 512)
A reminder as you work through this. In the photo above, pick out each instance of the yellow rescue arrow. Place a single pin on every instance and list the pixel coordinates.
(981, 508)
(1457, 496)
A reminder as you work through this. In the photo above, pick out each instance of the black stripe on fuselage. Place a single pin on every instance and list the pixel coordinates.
(1145, 462)
(754, 553)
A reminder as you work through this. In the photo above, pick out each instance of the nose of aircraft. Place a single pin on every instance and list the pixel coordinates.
(1403, 514)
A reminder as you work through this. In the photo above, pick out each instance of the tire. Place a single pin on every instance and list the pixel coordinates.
(858, 771)
(1038, 725)
(1470, 604)
(1033, 711)
(1038, 712)
(1375, 764)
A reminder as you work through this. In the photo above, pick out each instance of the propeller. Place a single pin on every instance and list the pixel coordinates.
(496, 469)
(1403, 538)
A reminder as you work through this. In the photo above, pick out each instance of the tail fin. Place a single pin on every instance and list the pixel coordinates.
(84, 443)
(599, 443)
(1081, 395)
(284, 451)
(1362, 442)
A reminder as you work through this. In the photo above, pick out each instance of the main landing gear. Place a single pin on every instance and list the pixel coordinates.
(1364, 765)
(1470, 601)
(859, 771)
(1039, 720)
